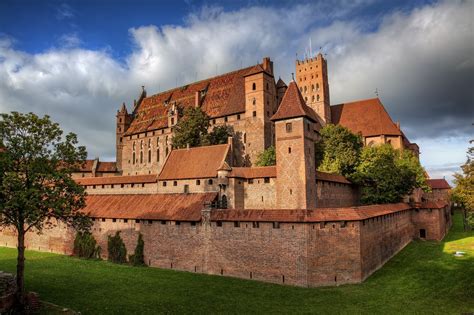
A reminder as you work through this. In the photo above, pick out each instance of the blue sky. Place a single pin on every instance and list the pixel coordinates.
(78, 60)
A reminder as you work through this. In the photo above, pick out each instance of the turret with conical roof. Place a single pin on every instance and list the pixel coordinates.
(123, 122)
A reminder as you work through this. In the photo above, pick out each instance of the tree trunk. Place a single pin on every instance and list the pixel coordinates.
(20, 268)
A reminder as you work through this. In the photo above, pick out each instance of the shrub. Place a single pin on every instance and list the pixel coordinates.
(116, 248)
(137, 259)
(85, 246)
(267, 157)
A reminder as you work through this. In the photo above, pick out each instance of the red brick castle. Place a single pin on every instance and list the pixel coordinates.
(209, 210)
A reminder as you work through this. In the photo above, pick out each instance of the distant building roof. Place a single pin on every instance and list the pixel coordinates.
(253, 172)
(198, 162)
(176, 207)
(440, 183)
(293, 105)
(329, 177)
(220, 96)
(103, 167)
(367, 117)
(280, 83)
(110, 180)
(313, 215)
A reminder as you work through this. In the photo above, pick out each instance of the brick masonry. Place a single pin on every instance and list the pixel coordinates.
(294, 253)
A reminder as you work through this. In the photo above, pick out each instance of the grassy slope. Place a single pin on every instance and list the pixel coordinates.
(423, 278)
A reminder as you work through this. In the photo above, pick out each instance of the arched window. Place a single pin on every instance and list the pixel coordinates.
(133, 158)
(305, 89)
(254, 101)
(312, 87)
(317, 97)
(141, 145)
(149, 143)
(141, 156)
(157, 142)
(301, 89)
(312, 98)
(157, 155)
(317, 86)
(133, 146)
(254, 86)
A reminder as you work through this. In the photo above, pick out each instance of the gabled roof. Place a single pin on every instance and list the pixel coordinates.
(220, 96)
(293, 105)
(367, 117)
(308, 215)
(199, 162)
(103, 167)
(440, 183)
(176, 207)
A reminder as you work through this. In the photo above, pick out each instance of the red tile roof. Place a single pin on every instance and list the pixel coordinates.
(305, 215)
(253, 172)
(135, 179)
(367, 117)
(293, 105)
(438, 183)
(223, 95)
(86, 166)
(329, 177)
(199, 162)
(107, 167)
(176, 207)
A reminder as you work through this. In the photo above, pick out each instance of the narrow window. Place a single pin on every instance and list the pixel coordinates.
(186, 189)
(164, 184)
(125, 220)
(209, 182)
(175, 183)
(245, 137)
(225, 119)
(149, 156)
(114, 220)
(198, 182)
(238, 117)
(255, 225)
(289, 127)
(254, 86)
(289, 150)
(317, 97)
(276, 225)
(133, 158)
(254, 114)
(422, 233)
(141, 157)
(254, 101)
(172, 120)
(250, 181)
(157, 155)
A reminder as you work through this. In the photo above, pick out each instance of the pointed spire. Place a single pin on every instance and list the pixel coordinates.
(280, 83)
(293, 105)
(123, 109)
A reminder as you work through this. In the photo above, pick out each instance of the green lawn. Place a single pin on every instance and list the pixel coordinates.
(424, 278)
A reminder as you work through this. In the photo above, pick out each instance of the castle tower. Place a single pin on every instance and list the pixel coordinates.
(260, 104)
(312, 79)
(295, 135)
(281, 89)
(122, 123)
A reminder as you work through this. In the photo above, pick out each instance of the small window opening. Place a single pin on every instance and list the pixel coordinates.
(254, 114)
(256, 225)
(254, 86)
(219, 223)
(276, 225)
(266, 180)
(209, 182)
(289, 127)
(164, 184)
(236, 224)
(289, 150)
(422, 233)
(198, 182)
(175, 183)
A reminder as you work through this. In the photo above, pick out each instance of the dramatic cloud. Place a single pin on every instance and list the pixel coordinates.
(421, 62)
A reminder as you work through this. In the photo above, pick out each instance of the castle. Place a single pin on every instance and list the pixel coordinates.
(210, 210)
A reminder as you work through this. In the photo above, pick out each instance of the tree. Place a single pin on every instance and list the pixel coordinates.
(386, 175)
(85, 245)
(463, 192)
(338, 150)
(218, 135)
(138, 258)
(116, 248)
(36, 188)
(267, 157)
(191, 129)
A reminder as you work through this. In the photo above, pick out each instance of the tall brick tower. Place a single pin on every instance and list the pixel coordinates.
(123, 122)
(312, 79)
(295, 135)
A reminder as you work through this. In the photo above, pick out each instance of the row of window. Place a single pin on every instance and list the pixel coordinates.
(198, 182)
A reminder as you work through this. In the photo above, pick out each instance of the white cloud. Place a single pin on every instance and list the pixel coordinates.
(403, 58)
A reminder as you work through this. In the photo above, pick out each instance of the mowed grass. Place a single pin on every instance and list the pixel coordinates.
(425, 277)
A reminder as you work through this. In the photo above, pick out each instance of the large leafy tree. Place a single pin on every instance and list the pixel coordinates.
(267, 157)
(193, 127)
(386, 175)
(36, 188)
(463, 192)
(338, 150)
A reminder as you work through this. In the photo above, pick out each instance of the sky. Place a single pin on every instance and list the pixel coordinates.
(77, 61)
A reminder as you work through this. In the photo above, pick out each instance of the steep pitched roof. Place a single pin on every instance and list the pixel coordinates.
(440, 183)
(222, 95)
(177, 207)
(308, 215)
(199, 162)
(368, 117)
(280, 83)
(293, 105)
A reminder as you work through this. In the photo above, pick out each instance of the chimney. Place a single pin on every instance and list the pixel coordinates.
(268, 65)
(197, 99)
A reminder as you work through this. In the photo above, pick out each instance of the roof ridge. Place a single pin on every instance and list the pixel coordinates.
(203, 80)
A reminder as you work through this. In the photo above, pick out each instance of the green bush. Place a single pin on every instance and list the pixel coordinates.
(85, 246)
(116, 249)
(138, 259)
